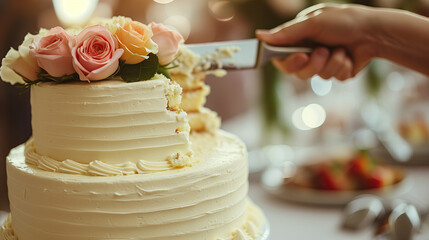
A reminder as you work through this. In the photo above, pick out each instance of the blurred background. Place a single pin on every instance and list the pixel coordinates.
(263, 107)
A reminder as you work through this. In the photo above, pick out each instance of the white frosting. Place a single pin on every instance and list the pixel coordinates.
(206, 201)
(216, 57)
(6, 230)
(249, 231)
(110, 121)
(189, 63)
(185, 62)
(99, 168)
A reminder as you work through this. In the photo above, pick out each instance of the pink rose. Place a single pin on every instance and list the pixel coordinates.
(167, 40)
(53, 53)
(95, 53)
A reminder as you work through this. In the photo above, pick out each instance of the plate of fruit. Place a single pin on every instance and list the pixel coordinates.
(335, 180)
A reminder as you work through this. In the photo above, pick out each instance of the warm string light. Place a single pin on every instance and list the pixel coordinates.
(74, 12)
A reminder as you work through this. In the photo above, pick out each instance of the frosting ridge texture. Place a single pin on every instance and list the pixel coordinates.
(207, 201)
(99, 168)
(110, 121)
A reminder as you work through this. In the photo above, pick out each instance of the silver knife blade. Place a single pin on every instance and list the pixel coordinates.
(251, 53)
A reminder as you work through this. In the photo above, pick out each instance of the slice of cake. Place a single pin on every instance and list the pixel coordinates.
(195, 91)
(112, 154)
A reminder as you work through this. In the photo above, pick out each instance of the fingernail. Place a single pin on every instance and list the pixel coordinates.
(262, 32)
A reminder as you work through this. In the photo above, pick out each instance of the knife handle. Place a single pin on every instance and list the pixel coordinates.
(268, 52)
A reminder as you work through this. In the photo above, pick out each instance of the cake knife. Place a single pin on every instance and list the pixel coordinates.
(241, 54)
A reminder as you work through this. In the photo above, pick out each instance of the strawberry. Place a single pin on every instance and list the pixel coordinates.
(332, 177)
(360, 166)
(327, 180)
(380, 177)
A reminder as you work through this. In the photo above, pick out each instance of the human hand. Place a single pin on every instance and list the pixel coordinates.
(343, 32)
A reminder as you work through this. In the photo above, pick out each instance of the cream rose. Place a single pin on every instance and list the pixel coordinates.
(135, 38)
(95, 53)
(167, 40)
(53, 53)
(19, 63)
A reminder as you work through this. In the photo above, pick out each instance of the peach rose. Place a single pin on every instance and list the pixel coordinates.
(95, 53)
(53, 53)
(135, 38)
(19, 63)
(167, 40)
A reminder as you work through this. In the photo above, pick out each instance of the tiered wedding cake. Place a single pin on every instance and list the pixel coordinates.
(134, 156)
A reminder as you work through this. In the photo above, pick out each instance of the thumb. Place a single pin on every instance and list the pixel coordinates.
(289, 33)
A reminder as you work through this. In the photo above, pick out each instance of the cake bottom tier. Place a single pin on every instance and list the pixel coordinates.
(205, 201)
(250, 230)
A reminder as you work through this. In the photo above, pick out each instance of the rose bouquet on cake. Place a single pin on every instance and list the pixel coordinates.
(116, 47)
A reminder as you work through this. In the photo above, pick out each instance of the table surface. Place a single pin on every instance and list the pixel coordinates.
(305, 222)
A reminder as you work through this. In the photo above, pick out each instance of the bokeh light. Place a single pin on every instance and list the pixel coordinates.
(278, 154)
(222, 10)
(365, 139)
(313, 115)
(395, 81)
(74, 12)
(320, 86)
(308, 117)
(180, 23)
(297, 119)
(163, 1)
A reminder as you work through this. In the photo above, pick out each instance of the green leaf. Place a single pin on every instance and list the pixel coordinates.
(163, 70)
(140, 71)
(43, 76)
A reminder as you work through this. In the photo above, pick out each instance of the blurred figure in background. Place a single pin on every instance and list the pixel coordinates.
(17, 18)
(356, 34)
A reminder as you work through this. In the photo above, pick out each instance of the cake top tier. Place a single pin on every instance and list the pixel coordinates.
(110, 121)
(118, 47)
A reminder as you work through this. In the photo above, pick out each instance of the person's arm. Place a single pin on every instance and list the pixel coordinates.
(352, 36)
(403, 38)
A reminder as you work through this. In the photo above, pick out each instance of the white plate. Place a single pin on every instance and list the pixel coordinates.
(3, 217)
(272, 183)
(265, 231)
